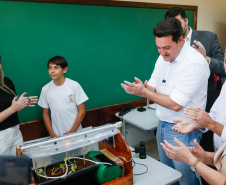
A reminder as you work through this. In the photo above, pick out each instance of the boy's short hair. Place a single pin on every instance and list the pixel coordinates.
(170, 26)
(58, 60)
(175, 11)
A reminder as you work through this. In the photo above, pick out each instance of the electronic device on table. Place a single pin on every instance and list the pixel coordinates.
(56, 160)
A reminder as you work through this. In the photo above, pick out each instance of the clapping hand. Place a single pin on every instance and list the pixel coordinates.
(198, 120)
(135, 88)
(22, 102)
(179, 153)
(19, 104)
(185, 126)
(198, 151)
(31, 99)
(199, 115)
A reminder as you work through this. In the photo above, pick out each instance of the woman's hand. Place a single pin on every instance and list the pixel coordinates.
(179, 153)
(198, 151)
(31, 100)
(19, 104)
(22, 102)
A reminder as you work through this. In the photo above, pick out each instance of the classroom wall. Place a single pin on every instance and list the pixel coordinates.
(211, 15)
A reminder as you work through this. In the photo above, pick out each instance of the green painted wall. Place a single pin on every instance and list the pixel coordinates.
(103, 45)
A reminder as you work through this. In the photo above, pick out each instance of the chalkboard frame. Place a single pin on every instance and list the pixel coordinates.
(123, 4)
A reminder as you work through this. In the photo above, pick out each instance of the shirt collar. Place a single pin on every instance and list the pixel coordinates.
(188, 37)
(182, 53)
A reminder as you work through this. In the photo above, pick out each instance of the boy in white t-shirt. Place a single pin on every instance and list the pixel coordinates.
(64, 97)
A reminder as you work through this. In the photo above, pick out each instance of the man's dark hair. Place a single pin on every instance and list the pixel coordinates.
(58, 60)
(170, 26)
(175, 11)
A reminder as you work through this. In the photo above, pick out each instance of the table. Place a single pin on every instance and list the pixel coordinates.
(146, 120)
(158, 173)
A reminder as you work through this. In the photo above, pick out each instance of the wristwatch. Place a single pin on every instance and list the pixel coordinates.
(193, 167)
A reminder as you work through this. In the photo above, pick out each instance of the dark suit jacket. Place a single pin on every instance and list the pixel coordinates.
(213, 50)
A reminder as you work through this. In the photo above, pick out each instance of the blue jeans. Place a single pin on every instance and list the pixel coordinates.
(165, 132)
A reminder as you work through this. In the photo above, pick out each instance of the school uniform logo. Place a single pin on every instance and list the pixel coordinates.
(71, 98)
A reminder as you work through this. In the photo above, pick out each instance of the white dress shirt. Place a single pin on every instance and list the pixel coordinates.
(188, 37)
(218, 114)
(184, 80)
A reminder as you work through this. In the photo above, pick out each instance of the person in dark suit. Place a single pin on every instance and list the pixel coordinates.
(211, 46)
(207, 44)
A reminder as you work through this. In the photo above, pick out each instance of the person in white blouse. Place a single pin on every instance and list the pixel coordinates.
(196, 156)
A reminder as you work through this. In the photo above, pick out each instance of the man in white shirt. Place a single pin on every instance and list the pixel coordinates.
(208, 45)
(178, 80)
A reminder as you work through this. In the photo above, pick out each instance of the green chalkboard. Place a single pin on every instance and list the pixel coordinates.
(104, 45)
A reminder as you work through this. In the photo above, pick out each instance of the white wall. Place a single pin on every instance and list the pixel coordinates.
(211, 15)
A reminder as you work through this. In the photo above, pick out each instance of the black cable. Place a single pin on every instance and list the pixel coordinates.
(134, 155)
(139, 164)
(133, 161)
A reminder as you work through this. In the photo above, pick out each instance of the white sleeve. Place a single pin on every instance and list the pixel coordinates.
(223, 135)
(204, 130)
(191, 78)
(80, 95)
(212, 114)
(42, 102)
